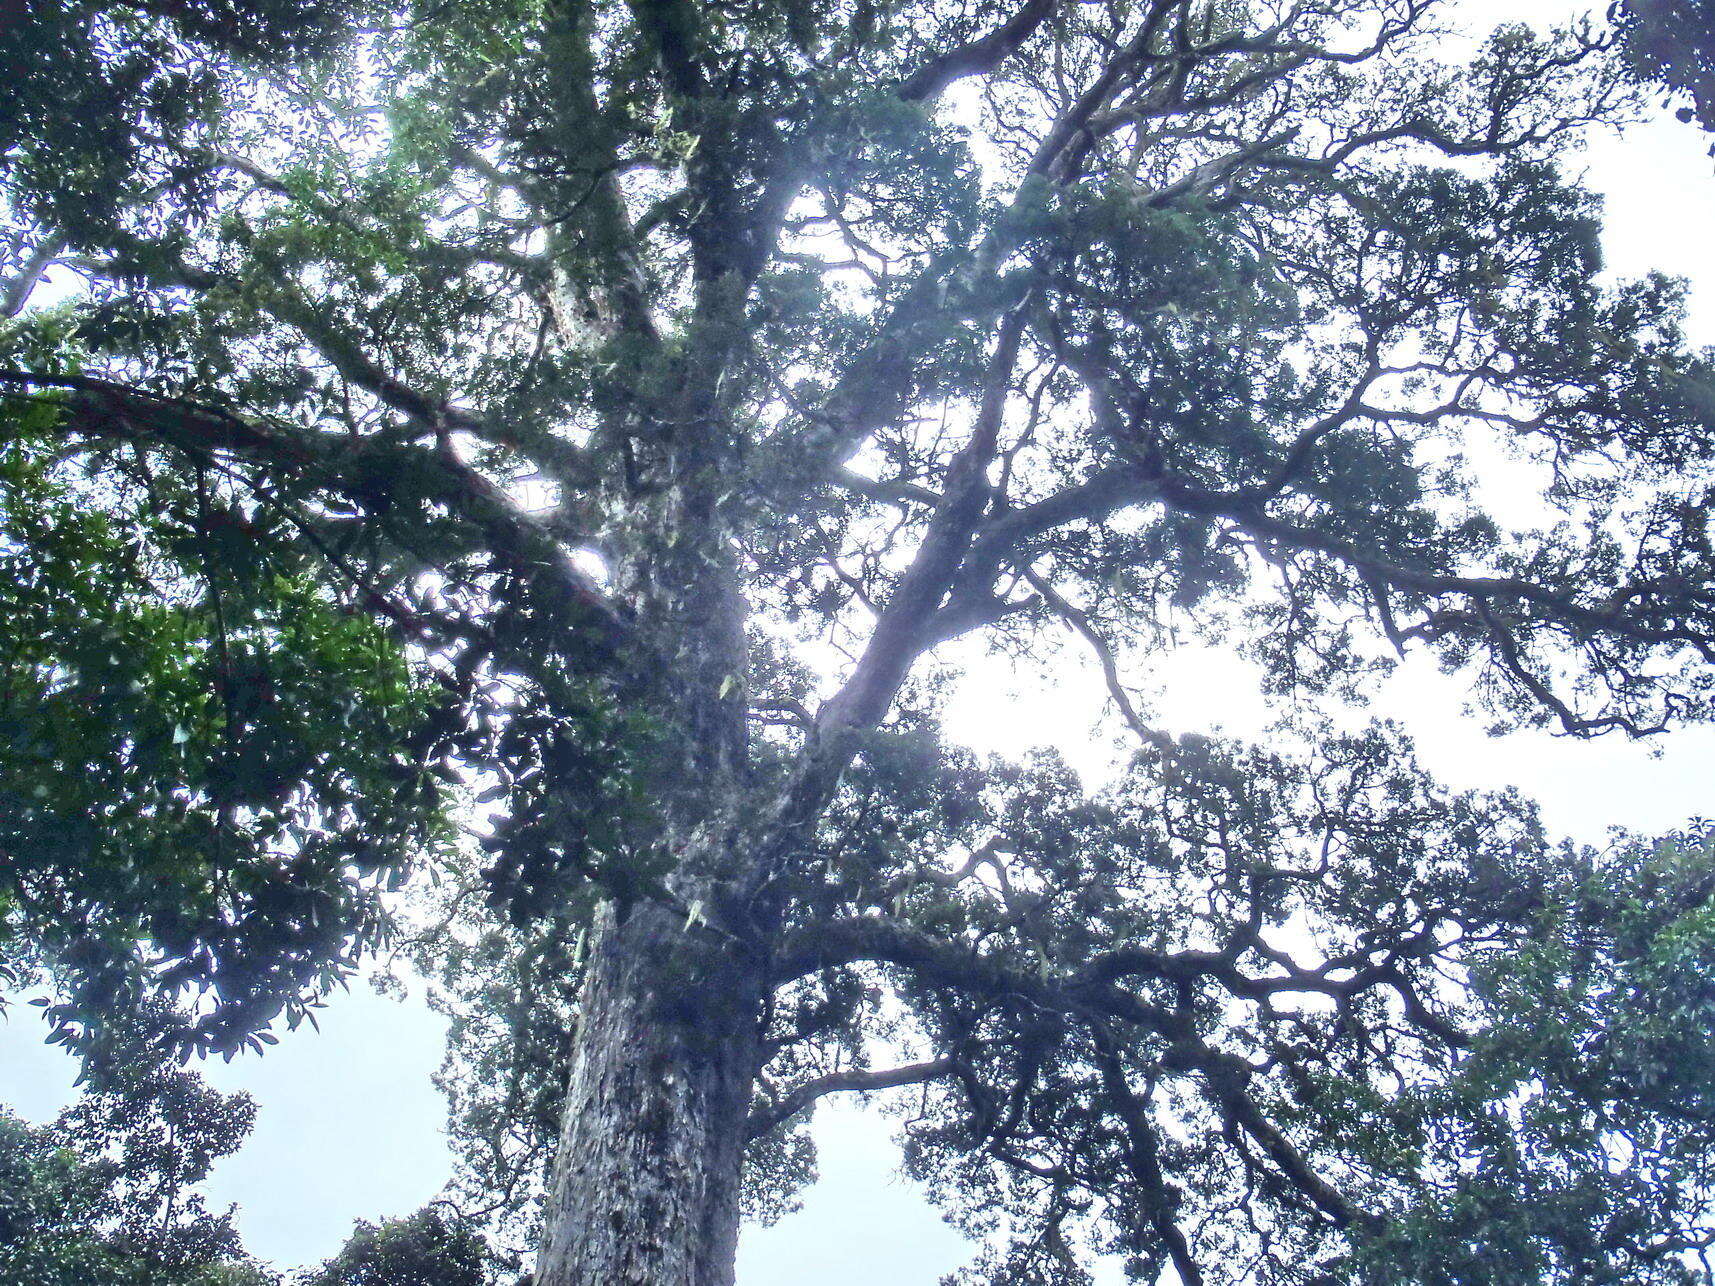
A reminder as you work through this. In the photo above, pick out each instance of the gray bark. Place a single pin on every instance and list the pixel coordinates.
(646, 1187)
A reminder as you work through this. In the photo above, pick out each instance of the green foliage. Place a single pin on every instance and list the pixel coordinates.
(1580, 1120)
(107, 1192)
(1540, 1148)
(527, 412)
(428, 1248)
(207, 776)
(103, 97)
(1671, 43)
(509, 994)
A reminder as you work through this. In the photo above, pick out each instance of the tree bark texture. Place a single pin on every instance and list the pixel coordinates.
(646, 1186)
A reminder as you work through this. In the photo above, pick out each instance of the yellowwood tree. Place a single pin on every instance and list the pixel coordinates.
(583, 422)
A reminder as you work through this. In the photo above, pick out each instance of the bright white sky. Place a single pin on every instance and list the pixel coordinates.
(350, 1127)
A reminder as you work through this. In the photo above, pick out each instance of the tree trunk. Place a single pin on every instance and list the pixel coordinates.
(646, 1186)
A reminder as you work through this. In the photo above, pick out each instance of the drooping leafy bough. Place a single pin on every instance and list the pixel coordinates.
(542, 394)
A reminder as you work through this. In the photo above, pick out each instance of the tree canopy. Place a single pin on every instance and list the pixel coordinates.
(552, 454)
(1672, 42)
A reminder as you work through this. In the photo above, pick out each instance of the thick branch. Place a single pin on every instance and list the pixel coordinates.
(103, 409)
(904, 626)
(801, 1096)
(977, 57)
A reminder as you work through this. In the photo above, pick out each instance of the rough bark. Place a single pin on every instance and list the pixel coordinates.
(646, 1187)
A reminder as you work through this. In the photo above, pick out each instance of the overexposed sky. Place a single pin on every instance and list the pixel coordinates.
(351, 1128)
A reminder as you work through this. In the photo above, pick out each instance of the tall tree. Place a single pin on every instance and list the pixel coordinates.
(592, 418)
